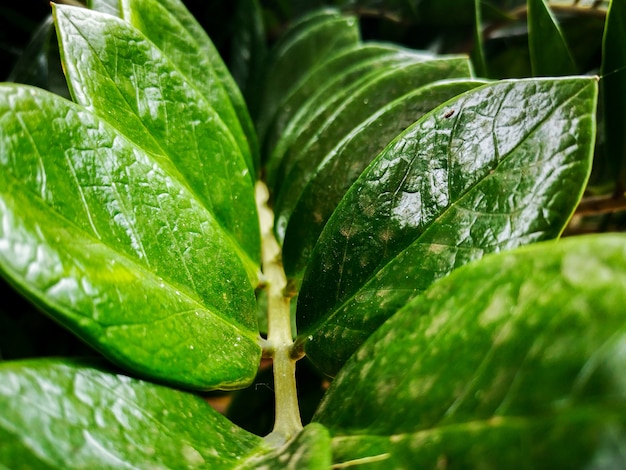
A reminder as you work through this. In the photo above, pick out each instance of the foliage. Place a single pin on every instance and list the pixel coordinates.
(378, 213)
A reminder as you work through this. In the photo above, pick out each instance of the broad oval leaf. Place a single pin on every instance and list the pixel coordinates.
(77, 414)
(174, 30)
(103, 237)
(549, 54)
(326, 185)
(527, 346)
(500, 166)
(358, 107)
(116, 72)
(309, 44)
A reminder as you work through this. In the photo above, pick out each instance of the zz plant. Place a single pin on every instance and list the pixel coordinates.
(394, 215)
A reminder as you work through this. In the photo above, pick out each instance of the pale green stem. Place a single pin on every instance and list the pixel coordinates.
(287, 422)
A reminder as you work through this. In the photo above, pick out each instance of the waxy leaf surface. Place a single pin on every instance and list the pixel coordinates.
(106, 238)
(513, 361)
(500, 166)
(115, 71)
(174, 30)
(358, 107)
(74, 414)
(326, 185)
(111, 7)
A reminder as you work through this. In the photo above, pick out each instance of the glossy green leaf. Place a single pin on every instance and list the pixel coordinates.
(326, 185)
(317, 78)
(309, 450)
(500, 166)
(349, 107)
(614, 90)
(108, 240)
(358, 107)
(296, 57)
(170, 26)
(76, 414)
(115, 71)
(513, 361)
(112, 7)
(312, 114)
(549, 53)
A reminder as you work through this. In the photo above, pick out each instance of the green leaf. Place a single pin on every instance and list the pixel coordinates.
(310, 449)
(478, 51)
(549, 53)
(76, 414)
(105, 238)
(614, 90)
(115, 71)
(326, 185)
(170, 26)
(350, 106)
(513, 361)
(112, 7)
(500, 166)
(358, 107)
(312, 114)
(294, 58)
(316, 78)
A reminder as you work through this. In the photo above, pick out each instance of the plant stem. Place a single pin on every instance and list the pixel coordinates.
(287, 422)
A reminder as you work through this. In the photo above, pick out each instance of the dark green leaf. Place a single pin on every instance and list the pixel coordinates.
(75, 414)
(309, 450)
(478, 51)
(614, 90)
(358, 107)
(326, 185)
(170, 26)
(107, 239)
(112, 7)
(500, 166)
(514, 361)
(115, 71)
(311, 114)
(295, 58)
(318, 77)
(549, 54)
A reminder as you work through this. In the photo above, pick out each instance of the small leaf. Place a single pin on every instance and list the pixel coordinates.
(500, 166)
(174, 30)
(103, 237)
(115, 71)
(327, 184)
(310, 449)
(512, 361)
(290, 62)
(76, 414)
(613, 85)
(549, 54)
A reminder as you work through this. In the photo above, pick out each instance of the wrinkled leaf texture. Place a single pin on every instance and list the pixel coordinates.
(110, 227)
(500, 166)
